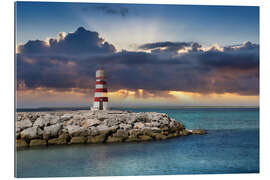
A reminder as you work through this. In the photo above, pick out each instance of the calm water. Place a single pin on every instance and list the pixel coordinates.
(231, 146)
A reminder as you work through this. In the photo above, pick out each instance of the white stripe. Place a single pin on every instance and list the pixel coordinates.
(100, 94)
(100, 86)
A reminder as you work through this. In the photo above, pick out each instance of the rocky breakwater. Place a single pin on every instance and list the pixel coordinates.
(77, 127)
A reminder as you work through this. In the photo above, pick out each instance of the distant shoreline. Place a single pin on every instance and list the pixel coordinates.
(132, 107)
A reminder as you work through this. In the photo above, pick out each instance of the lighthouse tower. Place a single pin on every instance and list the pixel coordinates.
(100, 98)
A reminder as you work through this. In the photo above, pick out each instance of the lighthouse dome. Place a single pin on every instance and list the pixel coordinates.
(100, 73)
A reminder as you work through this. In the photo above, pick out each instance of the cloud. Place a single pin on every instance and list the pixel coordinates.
(70, 61)
(110, 10)
(80, 42)
(123, 11)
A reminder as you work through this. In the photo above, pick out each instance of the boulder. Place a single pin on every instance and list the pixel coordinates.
(198, 131)
(155, 130)
(77, 130)
(112, 122)
(54, 120)
(103, 129)
(19, 117)
(125, 126)
(135, 132)
(31, 133)
(51, 131)
(66, 117)
(131, 119)
(141, 117)
(158, 136)
(184, 132)
(37, 142)
(33, 117)
(93, 131)
(132, 139)
(62, 139)
(42, 122)
(69, 122)
(78, 140)
(153, 116)
(171, 135)
(138, 125)
(121, 133)
(23, 124)
(153, 124)
(57, 141)
(64, 136)
(112, 139)
(90, 122)
(103, 115)
(145, 138)
(21, 143)
(96, 139)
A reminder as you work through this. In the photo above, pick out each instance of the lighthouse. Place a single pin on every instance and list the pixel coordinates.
(100, 98)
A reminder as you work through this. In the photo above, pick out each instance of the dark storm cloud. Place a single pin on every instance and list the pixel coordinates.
(171, 46)
(71, 63)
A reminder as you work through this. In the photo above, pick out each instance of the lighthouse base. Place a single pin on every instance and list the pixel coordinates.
(98, 109)
(100, 105)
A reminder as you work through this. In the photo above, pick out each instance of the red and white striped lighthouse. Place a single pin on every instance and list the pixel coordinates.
(101, 97)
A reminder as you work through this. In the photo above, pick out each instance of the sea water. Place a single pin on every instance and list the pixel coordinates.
(231, 146)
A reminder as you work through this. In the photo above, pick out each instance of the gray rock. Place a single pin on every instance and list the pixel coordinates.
(112, 139)
(78, 140)
(141, 117)
(90, 122)
(93, 131)
(155, 130)
(20, 143)
(38, 142)
(51, 131)
(131, 119)
(198, 131)
(153, 124)
(125, 126)
(121, 133)
(54, 120)
(23, 124)
(96, 139)
(42, 122)
(135, 132)
(139, 125)
(145, 138)
(66, 117)
(31, 133)
(77, 131)
(103, 129)
(112, 122)
(102, 116)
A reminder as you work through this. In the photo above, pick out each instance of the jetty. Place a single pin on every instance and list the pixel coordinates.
(89, 126)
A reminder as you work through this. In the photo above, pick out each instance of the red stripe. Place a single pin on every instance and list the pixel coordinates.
(101, 77)
(100, 82)
(101, 90)
(103, 99)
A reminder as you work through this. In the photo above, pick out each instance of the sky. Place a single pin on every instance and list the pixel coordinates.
(154, 55)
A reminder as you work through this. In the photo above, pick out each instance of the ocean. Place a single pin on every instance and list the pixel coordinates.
(231, 146)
